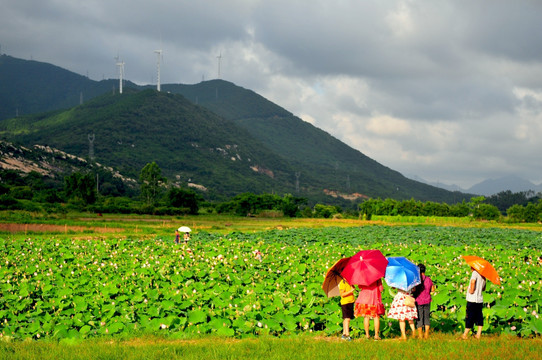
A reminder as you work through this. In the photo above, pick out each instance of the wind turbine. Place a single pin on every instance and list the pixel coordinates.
(159, 53)
(219, 57)
(121, 72)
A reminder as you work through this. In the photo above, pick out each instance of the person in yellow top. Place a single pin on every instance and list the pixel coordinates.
(347, 307)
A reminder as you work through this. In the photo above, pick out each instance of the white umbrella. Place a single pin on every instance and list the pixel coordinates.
(184, 229)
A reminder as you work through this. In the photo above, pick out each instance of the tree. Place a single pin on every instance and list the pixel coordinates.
(325, 211)
(486, 212)
(182, 198)
(516, 212)
(291, 204)
(150, 180)
(81, 186)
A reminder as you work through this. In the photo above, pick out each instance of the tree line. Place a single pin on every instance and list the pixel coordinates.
(101, 192)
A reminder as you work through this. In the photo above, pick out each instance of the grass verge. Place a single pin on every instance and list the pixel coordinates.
(300, 347)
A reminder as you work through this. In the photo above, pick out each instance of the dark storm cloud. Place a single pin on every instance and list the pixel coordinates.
(447, 90)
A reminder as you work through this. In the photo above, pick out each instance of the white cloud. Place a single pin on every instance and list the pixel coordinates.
(385, 125)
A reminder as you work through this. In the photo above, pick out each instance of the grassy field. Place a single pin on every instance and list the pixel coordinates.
(300, 347)
(19, 226)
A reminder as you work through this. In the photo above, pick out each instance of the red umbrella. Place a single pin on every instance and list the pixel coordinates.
(333, 278)
(366, 267)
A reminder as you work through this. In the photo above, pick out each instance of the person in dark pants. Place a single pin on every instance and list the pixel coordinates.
(423, 303)
(347, 307)
(475, 303)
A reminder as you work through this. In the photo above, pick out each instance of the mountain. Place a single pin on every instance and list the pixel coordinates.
(28, 87)
(448, 187)
(494, 186)
(309, 149)
(214, 134)
(188, 142)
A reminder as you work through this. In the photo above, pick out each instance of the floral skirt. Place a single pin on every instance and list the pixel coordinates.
(400, 311)
(362, 310)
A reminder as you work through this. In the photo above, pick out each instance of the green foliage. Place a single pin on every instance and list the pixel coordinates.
(391, 207)
(486, 212)
(291, 205)
(8, 202)
(151, 180)
(532, 212)
(21, 192)
(61, 288)
(184, 198)
(80, 186)
(505, 199)
(248, 204)
(324, 211)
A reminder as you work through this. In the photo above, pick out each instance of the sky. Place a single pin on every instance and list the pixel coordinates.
(446, 90)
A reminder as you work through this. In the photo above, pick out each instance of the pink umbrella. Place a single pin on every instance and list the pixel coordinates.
(366, 267)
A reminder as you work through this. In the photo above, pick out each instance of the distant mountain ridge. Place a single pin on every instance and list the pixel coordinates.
(490, 187)
(223, 137)
(511, 182)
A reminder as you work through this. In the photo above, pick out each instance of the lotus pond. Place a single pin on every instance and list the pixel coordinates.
(62, 288)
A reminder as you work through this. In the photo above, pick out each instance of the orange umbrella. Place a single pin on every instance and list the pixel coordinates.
(484, 268)
(333, 278)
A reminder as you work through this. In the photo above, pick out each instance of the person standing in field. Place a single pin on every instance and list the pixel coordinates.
(400, 310)
(177, 237)
(369, 305)
(422, 294)
(475, 303)
(347, 307)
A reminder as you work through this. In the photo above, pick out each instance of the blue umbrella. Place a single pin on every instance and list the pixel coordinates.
(402, 274)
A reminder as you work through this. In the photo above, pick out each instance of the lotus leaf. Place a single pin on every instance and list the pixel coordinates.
(153, 284)
(85, 329)
(197, 316)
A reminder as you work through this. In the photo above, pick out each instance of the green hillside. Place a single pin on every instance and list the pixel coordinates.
(189, 143)
(314, 153)
(217, 134)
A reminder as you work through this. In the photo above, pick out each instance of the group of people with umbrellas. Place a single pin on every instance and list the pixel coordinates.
(412, 300)
(183, 229)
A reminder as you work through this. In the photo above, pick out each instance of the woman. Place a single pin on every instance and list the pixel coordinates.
(369, 305)
(422, 294)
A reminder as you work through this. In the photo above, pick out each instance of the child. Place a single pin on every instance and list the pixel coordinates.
(258, 255)
(400, 311)
(369, 305)
(422, 294)
(475, 303)
(347, 307)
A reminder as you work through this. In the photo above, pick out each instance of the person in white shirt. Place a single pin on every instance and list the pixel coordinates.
(475, 303)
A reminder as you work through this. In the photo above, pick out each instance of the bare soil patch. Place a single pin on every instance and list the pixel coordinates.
(16, 228)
